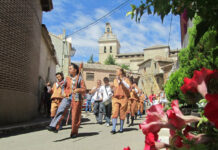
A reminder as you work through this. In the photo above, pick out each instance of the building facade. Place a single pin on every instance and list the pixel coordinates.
(47, 63)
(108, 44)
(20, 29)
(93, 72)
(64, 52)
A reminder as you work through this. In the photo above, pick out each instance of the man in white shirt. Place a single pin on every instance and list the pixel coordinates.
(107, 95)
(98, 102)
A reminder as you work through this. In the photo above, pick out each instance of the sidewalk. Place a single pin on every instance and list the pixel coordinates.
(19, 128)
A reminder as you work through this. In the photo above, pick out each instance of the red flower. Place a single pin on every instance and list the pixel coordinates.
(127, 148)
(188, 135)
(150, 140)
(155, 119)
(177, 140)
(211, 109)
(197, 79)
(175, 115)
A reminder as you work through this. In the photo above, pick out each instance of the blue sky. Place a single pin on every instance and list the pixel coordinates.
(72, 15)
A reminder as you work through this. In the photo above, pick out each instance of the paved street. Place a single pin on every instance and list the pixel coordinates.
(91, 137)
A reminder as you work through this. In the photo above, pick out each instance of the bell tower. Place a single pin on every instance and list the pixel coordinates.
(108, 44)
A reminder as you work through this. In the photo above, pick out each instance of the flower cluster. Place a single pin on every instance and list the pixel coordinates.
(198, 83)
(179, 124)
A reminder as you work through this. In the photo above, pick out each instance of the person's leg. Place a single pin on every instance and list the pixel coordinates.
(123, 109)
(108, 113)
(115, 114)
(62, 110)
(89, 106)
(76, 117)
(101, 112)
(132, 109)
(53, 108)
(95, 110)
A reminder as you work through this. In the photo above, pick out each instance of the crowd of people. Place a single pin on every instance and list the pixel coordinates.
(122, 99)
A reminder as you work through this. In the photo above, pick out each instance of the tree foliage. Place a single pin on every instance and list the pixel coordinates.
(194, 57)
(110, 60)
(206, 9)
(91, 61)
(126, 67)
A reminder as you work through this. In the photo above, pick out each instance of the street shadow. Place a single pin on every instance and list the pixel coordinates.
(129, 129)
(79, 135)
(85, 119)
(88, 123)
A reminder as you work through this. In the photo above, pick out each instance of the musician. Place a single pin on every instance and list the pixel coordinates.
(74, 89)
(133, 100)
(121, 87)
(57, 93)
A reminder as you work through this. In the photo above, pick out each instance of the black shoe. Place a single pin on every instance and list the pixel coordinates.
(120, 131)
(49, 128)
(100, 123)
(113, 132)
(52, 129)
(131, 124)
(73, 135)
(127, 122)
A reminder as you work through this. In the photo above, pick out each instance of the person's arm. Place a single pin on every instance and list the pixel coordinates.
(125, 83)
(82, 89)
(93, 90)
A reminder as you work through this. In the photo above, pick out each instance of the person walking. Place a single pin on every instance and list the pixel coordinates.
(98, 107)
(88, 98)
(121, 87)
(57, 92)
(74, 90)
(141, 103)
(134, 90)
(107, 96)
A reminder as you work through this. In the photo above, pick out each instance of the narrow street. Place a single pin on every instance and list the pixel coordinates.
(91, 137)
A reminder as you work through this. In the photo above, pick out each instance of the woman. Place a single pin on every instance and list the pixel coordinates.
(119, 100)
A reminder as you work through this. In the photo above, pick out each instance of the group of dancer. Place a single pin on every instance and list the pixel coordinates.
(121, 99)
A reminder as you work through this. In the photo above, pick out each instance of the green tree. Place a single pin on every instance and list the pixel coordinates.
(194, 57)
(91, 61)
(126, 67)
(110, 60)
(206, 9)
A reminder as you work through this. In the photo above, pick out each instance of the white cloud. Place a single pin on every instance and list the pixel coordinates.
(133, 37)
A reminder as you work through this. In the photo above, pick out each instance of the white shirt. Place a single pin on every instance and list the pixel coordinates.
(106, 92)
(97, 95)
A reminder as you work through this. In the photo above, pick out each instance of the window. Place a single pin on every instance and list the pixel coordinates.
(108, 29)
(105, 49)
(110, 49)
(112, 77)
(90, 76)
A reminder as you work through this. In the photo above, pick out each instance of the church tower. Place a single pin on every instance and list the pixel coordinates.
(108, 44)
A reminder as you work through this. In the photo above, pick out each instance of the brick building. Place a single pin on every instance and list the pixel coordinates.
(20, 30)
(94, 72)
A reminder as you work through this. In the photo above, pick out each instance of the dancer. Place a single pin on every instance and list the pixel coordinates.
(119, 101)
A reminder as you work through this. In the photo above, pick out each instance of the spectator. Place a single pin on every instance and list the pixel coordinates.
(88, 98)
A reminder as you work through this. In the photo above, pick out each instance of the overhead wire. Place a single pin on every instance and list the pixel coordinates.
(99, 19)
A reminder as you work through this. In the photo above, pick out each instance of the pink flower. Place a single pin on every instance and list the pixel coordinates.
(211, 109)
(175, 115)
(198, 81)
(155, 120)
(126, 148)
(150, 140)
